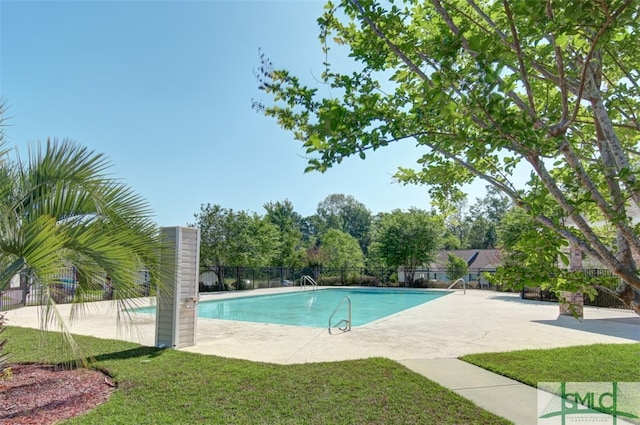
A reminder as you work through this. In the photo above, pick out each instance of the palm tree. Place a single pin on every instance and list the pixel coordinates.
(60, 209)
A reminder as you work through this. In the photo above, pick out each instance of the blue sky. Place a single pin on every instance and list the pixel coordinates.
(164, 89)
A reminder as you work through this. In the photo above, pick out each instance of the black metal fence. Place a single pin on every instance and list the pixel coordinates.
(36, 295)
(21, 292)
(602, 299)
(230, 278)
(244, 278)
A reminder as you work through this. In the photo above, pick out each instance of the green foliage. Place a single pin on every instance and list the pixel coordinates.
(451, 242)
(344, 213)
(473, 227)
(488, 90)
(484, 217)
(288, 222)
(230, 238)
(482, 234)
(530, 256)
(456, 267)
(342, 251)
(61, 208)
(407, 239)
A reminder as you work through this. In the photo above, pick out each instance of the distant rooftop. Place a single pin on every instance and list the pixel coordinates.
(475, 258)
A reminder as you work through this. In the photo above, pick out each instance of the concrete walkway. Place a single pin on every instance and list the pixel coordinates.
(427, 339)
(502, 396)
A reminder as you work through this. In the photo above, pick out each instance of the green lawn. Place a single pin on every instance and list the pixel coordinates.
(173, 387)
(592, 363)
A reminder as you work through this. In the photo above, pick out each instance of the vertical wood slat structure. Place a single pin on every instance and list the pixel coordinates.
(176, 316)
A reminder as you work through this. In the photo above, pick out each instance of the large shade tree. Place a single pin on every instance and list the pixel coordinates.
(60, 208)
(341, 252)
(289, 224)
(235, 238)
(484, 217)
(347, 214)
(407, 239)
(487, 88)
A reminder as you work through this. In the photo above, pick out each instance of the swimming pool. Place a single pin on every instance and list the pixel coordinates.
(312, 308)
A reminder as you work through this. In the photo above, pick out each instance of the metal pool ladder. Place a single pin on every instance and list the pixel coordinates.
(345, 324)
(464, 285)
(304, 280)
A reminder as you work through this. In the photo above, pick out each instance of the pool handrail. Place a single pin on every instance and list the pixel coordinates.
(464, 285)
(308, 279)
(347, 322)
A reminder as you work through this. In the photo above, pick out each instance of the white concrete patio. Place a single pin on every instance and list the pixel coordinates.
(448, 327)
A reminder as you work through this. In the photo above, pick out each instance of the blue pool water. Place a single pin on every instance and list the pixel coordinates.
(314, 307)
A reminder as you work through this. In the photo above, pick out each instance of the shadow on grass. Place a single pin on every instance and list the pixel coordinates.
(133, 353)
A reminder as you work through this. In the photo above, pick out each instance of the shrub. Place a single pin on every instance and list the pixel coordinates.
(242, 284)
(330, 281)
(420, 283)
(369, 281)
(456, 267)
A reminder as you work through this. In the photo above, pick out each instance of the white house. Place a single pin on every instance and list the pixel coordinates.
(478, 260)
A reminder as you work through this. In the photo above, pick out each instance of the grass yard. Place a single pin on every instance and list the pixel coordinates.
(592, 363)
(173, 387)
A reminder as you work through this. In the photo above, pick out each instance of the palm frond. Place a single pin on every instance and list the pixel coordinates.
(61, 209)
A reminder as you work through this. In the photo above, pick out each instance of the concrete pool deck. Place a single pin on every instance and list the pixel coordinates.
(427, 338)
(447, 327)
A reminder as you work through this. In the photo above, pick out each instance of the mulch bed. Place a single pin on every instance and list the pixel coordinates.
(37, 394)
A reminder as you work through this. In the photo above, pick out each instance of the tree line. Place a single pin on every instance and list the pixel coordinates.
(344, 234)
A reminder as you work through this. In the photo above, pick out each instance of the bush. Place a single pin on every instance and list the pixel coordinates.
(420, 283)
(456, 267)
(369, 281)
(350, 280)
(242, 284)
(330, 281)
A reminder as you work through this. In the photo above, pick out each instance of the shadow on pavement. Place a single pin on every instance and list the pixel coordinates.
(624, 327)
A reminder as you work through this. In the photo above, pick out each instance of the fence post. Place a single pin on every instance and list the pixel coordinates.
(24, 285)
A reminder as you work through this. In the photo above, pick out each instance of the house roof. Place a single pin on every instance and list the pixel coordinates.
(475, 258)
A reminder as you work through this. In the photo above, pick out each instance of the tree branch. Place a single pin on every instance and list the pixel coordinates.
(546, 74)
(388, 42)
(523, 68)
(602, 117)
(611, 214)
(561, 76)
(604, 255)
